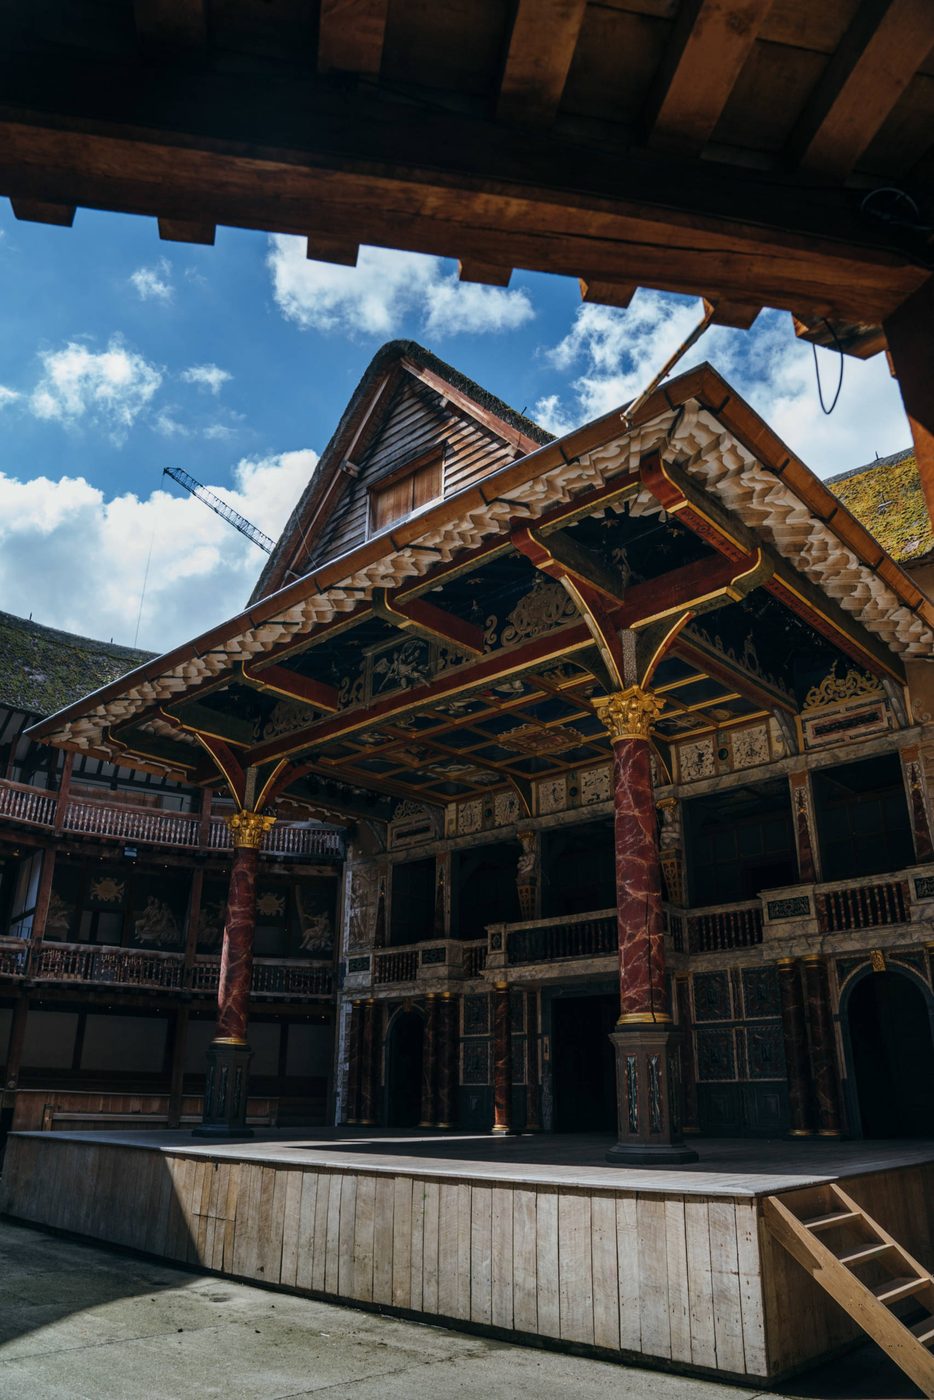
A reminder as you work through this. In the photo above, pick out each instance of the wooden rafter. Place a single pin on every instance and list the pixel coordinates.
(541, 48)
(350, 36)
(708, 47)
(884, 46)
(291, 686)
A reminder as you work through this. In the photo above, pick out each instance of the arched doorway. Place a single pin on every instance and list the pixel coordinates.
(404, 1050)
(892, 1056)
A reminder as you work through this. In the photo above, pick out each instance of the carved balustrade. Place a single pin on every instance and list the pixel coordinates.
(398, 966)
(863, 904)
(181, 830)
(14, 957)
(272, 977)
(125, 967)
(570, 936)
(731, 926)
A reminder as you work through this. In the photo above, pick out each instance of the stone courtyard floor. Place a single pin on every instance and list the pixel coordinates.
(87, 1323)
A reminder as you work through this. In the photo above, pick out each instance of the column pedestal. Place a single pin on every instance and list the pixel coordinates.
(225, 1091)
(648, 1097)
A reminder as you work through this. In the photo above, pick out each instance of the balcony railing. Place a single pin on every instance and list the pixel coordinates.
(570, 936)
(118, 822)
(869, 904)
(474, 959)
(131, 967)
(735, 926)
(14, 957)
(396, 967)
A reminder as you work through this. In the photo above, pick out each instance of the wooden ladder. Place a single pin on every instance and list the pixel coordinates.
(836, 1241)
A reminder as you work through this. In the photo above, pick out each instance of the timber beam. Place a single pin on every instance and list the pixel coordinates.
(706, 517)
(561, 557)
(426, 620)
(289, 684)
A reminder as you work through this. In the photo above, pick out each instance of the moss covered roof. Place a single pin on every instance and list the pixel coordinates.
(887, 498)
(42, 670)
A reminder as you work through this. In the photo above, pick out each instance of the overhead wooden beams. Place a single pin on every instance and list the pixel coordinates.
(470, 270)
(350, 36)
(708, 47)
(910, 335)
(426, 620)
(36, 211)
(541, 48)
(291, 686)
(321, 247)
(886, 43)
(562, 558)
(607, 293)
(171, 23)
(187, 231)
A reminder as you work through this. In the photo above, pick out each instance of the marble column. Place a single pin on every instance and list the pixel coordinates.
(354, 1057)
(430, 1047)
(648, 1068)
(913, 776)
(689, 1122)
(794, 1032)
(802, 806)
(225, 1090)
(502, 1060)
(823, 1059)
(533, 1102)
(447, 1061)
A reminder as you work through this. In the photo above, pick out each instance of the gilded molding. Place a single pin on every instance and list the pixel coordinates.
(629, 714)
(249, 828)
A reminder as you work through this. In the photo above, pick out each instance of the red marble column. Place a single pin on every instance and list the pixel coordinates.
(913, 775)
(447, 1062)
(429, 1062)
(533, 1103)
(794, 1032)
(648, 1049)
(802, 807)
(225, 1090)
(502, 1060)
(823, 1059)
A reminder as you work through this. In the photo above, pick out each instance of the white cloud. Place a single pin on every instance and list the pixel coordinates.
(8, 396)
(76, 559)
(375, 297)
(210, 377)
(109, 387)
(615, 354)
(152, 283)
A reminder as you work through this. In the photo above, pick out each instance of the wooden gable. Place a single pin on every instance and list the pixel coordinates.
(418, 420)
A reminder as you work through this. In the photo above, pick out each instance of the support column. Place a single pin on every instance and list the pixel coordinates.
(671, 850)
(648, 1062)
(913, 777)
(447, 1062)
(430, 1047)
(64, 792)
(527, 873)
(354, 1062)
(13, 1061)
(533, 1104)
(502, 1060)
(226, 1084)
(910, 334)
(689, 1122)
(368, 1065)
(40, 913)
(794, 1033)
(177, 1073)
(802, 806)
(823, 1060)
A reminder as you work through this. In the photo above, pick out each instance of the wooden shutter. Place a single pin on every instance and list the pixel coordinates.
(395, 499)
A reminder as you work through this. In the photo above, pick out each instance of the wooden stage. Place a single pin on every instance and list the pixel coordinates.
(531, 1237)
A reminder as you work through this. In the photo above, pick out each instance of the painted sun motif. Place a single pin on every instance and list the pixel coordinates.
(269, 905)
(107, 890)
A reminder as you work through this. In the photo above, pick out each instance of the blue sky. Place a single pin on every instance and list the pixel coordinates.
(120, 354)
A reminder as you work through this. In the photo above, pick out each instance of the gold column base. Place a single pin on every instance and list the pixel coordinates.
(800, 1132)
(644, 1018)
(830, 1132)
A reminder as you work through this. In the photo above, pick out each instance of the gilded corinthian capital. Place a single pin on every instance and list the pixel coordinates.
(629, 714)
(249, 828)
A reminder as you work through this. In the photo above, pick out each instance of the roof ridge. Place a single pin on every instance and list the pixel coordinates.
(890, 461)
(28, 624)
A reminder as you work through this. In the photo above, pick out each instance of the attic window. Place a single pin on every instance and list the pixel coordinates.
(406, 490)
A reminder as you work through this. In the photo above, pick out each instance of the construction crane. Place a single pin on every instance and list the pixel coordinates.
(220, 508)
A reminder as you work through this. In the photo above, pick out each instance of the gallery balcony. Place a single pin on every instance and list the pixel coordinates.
(81, 964)
(128, 824)
(792, 920)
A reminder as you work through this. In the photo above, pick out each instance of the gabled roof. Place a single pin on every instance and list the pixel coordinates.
(361, 416)
(42, 669)
(886, 496)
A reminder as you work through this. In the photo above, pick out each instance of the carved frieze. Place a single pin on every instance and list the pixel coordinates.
(595, 785)
(545, 607)
(505, 808)
(750, 746)
(552, 795)
(696, 760)
(469, 817)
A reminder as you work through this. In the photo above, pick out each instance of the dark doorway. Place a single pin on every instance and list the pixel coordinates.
(739, 842)
(485, 888)
(862, 817)
(892, 1055)
(579, 865)
(582, 1063)
(412, 906)
(404, 1050)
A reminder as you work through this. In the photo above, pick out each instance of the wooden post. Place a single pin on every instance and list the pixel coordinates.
(430, 1062)
(64, 791)
(794, 1032)
(177, 1074)
(823, 1059)
(689, 1123)
(910, 335)
(502, 1060)
(354, 1057)
(447, 1062)
(13, 1061)
(43, 897)
(533, 1103)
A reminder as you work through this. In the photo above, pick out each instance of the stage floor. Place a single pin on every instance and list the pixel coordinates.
(726, 1166)
(531, 1238)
